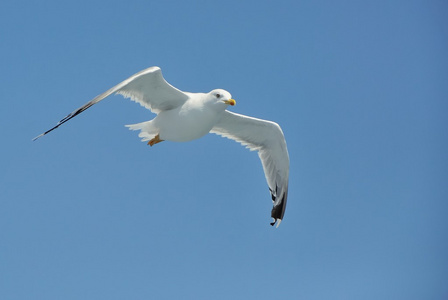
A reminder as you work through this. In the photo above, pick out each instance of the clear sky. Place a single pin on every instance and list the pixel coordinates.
(360, 89)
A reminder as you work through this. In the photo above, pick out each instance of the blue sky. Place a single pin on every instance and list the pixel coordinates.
(359, 88)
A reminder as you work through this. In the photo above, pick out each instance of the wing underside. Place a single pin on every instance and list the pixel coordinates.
(267, 138)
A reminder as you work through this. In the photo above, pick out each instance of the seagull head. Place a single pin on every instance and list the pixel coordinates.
(222, 97)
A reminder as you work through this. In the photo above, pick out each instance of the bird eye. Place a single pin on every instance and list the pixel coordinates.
(218, 95)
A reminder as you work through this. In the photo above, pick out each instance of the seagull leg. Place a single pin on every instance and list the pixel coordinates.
(155, 140)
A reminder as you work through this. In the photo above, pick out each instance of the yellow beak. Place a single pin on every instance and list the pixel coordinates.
(230, 102)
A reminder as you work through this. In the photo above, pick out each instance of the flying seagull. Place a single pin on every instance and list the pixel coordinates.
(183, 116)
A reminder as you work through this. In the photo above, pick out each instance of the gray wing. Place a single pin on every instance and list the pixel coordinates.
(267, 138)
(147, 87)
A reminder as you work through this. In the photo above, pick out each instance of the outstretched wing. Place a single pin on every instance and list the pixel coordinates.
(147, 87)
(267, 138)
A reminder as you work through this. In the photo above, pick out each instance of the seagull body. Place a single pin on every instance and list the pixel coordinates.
(194, 119)
(183, 116)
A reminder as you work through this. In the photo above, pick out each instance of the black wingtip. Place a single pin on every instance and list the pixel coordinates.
(278, 221)
(278, 210)
(68, 117)
(42, 134)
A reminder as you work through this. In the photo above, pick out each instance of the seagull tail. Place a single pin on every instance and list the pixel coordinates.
(147, 130)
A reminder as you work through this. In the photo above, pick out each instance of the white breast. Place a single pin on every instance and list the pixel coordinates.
(185, 123)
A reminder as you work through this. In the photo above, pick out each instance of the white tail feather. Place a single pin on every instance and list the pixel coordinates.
(147, 130)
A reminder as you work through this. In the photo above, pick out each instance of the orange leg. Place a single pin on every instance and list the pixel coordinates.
(155, 140)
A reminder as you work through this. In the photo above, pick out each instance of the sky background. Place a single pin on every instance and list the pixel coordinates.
(360, 89)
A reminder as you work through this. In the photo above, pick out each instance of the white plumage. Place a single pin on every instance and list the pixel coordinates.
(183, 116)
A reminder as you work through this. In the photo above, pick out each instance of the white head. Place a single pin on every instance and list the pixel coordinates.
(222, 97)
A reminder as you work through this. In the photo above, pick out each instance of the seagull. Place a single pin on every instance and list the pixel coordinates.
(183, 116)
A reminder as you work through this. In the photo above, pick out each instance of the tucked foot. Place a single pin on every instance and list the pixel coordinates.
(155, 140)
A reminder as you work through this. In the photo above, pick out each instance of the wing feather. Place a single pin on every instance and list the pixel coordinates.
(267, 138)
(147, 87)
(151, 90)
